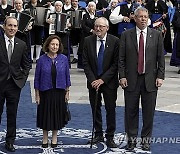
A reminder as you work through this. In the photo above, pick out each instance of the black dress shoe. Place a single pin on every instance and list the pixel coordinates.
(45, 145)
(146, 147)
(96, 139)
(53, 145)
(110, 143)
(9, 147)
(130, 146)
(74, 61)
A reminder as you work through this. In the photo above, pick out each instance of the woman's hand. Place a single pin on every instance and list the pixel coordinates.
(37, 96)
(67, 95)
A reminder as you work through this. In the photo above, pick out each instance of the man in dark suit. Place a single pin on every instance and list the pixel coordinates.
(100, 60)
(141, 71)
(14, 70)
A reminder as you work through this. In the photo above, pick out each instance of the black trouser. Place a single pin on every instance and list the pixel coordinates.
(110, 96)
(148, 103)
(10, 93)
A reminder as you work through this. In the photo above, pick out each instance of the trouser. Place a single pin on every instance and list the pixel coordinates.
(110, 96)
(148, 103)
(10, 94)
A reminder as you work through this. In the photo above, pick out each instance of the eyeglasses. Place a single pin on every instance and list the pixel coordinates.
(99, 26)
(141, 16)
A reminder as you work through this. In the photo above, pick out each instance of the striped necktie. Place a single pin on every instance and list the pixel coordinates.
(141, 54)
(9, 50)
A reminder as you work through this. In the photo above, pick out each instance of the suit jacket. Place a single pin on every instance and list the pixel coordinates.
(43, 77)
(110, 62)
(154, 58)
(4, 13)
(19, 65)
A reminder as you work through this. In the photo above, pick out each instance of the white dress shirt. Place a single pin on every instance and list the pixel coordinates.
(7, 42)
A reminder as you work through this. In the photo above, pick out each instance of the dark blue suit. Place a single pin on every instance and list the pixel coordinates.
(18, 69)
(110, 78)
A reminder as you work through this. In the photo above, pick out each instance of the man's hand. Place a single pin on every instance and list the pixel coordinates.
(123, 82)
(97, 83)
(159, 82)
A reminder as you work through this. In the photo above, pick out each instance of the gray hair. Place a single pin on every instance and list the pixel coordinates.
(105, 20)
(140, 8)
(58, 2)
(20, 0)
(92, 3)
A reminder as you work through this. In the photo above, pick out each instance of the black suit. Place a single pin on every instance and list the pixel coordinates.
(10, 88)
(109, 76)
(141, 85)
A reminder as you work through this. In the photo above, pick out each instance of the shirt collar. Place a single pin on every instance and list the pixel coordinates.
(20, 10)
(59, 12)
(66, 7)
(7, 39)
(104, 38)
(4, 6)
(139, 31)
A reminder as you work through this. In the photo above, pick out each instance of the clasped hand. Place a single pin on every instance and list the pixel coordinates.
(123, 82)
(97, 83)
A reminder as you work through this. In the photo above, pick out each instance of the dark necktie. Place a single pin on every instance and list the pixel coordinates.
(141, 54)
(100, 58)
(9, 50)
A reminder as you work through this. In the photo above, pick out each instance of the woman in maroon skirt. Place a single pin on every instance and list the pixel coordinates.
(51, 83)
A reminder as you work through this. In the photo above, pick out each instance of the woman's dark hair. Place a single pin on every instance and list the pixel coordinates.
(48, 41)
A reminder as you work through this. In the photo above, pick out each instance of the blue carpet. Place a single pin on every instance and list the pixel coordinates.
(73, 138)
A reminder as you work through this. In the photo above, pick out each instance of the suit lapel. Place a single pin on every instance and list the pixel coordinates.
(15, 48)
(148, 38)
(94, 49)
(3, 47)
(106, 46)
(134, 38)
